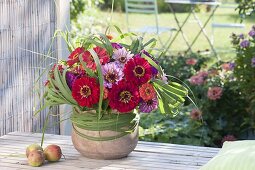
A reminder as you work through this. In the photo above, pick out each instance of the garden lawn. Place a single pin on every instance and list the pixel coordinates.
(222, 15)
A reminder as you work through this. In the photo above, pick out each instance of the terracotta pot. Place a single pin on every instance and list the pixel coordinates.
(111, 149)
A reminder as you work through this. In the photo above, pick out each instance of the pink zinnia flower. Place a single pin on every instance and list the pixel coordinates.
(195, 114)
(228, 66)
(191, 61)
(112, 74)
(122, 56)
(199, 78)
(214, 93)
(196, 80)
(203, 74)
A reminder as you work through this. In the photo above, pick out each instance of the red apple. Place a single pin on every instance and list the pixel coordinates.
(36, 158)
(52, 153)
(33, 147)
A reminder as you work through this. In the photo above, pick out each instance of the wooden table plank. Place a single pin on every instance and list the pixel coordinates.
(147, 155)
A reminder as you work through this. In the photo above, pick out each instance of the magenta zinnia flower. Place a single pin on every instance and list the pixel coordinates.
(138, 71)
(122, 56)
(116, 46)
(112, 74)
(148, 106)
(124, 96)
(70, 78)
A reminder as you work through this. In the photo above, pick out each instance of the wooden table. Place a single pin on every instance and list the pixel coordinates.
(147, 155)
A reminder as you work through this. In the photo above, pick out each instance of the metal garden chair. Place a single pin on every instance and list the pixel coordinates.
(147, 7)
(226, 5)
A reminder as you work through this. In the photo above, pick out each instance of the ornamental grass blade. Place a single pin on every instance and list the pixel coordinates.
(84, 65)
(101, 81)
(60, 84)
(107, 43)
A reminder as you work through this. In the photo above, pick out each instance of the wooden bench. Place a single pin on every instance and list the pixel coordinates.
(147, 155)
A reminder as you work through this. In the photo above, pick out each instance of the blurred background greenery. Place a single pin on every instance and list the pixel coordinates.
(230, 117)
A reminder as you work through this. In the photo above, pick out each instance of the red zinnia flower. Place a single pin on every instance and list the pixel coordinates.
(123, 97)
(102, 55)
(138, 70)
(86, 91)
(74, 56)
(147, 92)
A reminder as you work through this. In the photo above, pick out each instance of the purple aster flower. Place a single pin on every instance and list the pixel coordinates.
(148, 106)
(112, 74)
(70, 78)
(241, 36)
(164, 78)
(232, 66)
(116, 45)
(252, 33)
(245, 44)
(253, 62)
(122, 56)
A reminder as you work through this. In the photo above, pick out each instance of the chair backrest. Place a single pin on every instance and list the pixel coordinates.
(142, 6)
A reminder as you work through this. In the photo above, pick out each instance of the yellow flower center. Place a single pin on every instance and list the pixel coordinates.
(122, 59)
(139, 71)
(111, 77)
(147, 91)
(85, 91)
(125, 96)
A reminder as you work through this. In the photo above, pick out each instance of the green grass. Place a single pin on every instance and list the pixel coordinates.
(221, 35)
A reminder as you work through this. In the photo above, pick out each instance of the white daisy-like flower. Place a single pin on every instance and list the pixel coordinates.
(121, 56)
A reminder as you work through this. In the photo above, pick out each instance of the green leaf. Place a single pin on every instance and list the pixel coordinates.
(178, 90)
(160, 103)
(153, 63)
(153, 41)
(134, 46)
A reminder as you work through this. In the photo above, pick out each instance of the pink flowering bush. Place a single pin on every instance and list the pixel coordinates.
(221, 114)
(244, 71)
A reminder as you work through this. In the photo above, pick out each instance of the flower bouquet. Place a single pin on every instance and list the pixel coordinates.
(108, 83)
